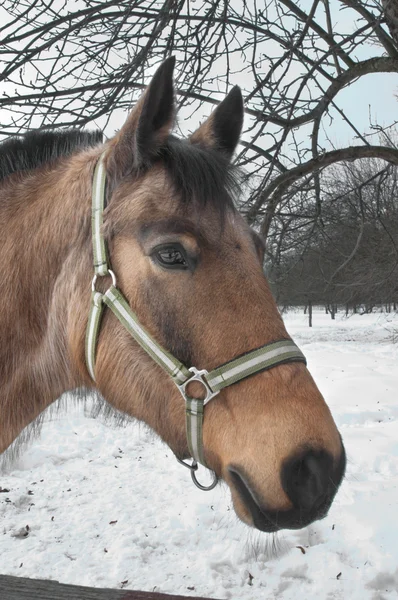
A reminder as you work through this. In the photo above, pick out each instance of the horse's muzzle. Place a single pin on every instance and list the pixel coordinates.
(309, 479)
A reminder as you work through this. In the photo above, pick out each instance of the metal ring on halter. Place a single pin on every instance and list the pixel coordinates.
(199, 485)
(193, 467)
(94, 281)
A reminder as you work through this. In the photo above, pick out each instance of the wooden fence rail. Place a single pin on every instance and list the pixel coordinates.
(20, 588)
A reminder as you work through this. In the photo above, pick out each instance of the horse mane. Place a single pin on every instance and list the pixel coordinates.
(36, 148)
(199, 174)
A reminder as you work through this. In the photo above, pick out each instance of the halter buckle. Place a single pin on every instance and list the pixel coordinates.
(197, 375)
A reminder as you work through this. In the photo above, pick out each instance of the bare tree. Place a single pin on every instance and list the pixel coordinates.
(73, 64)
(351, 257)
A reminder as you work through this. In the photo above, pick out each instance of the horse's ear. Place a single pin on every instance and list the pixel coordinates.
(222, 129)
(147, 127)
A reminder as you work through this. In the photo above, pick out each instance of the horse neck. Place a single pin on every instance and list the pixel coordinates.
(45, 269)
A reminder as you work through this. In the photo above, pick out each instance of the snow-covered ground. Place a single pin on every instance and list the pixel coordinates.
(93, 505)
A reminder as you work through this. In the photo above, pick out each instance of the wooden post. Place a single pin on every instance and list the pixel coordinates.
(20, 588)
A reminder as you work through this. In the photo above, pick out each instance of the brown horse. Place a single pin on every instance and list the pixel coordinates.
(191, 269)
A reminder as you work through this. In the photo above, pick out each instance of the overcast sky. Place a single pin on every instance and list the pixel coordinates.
(370, 99)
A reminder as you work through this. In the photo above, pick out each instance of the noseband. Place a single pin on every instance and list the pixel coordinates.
(261, 359)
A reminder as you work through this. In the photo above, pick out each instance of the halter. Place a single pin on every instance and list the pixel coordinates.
(261, 359)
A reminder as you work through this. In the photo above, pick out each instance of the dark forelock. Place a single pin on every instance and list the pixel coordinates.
(200, 175)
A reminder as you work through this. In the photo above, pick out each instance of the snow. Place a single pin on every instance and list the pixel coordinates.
(94, 505)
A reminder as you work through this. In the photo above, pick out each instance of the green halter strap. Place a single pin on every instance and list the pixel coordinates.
(260, 359)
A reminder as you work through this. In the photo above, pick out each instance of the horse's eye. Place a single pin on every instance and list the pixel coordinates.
(171, 257)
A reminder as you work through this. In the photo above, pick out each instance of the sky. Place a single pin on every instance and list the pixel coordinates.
(371, 98)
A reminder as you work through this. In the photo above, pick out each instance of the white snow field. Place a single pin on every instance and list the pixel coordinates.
(93, 505)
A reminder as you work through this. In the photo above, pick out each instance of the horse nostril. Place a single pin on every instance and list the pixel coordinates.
(306, 478)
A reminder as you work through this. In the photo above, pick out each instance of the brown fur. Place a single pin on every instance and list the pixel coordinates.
(223, 309)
